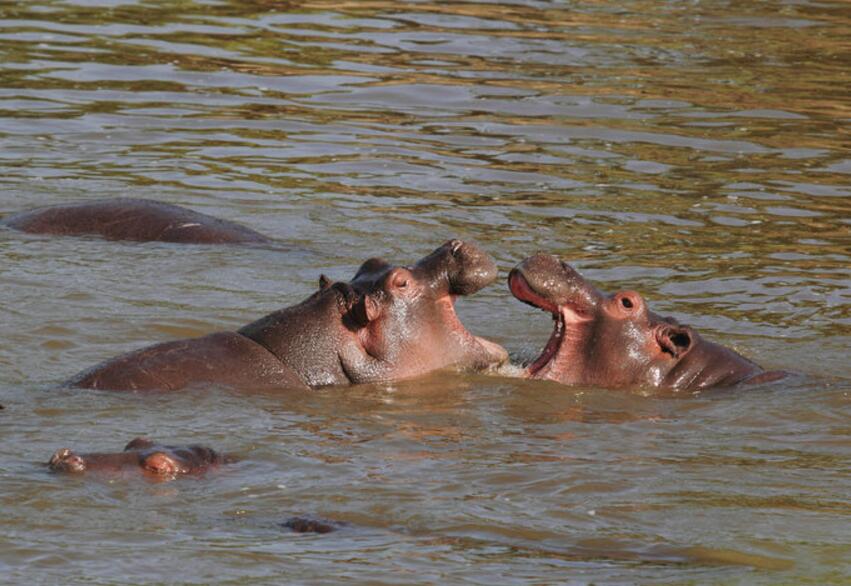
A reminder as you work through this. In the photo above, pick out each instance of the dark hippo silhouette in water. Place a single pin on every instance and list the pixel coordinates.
(133, 219)
(615, 341)
(312, 525)
(388, 323)
(140, 454)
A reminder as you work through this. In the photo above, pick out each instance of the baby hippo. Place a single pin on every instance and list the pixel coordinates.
(140, 454)
(616, 341)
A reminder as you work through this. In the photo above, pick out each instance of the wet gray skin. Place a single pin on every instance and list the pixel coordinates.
(388, 323)
(139, 220)
(615, 341)
(312, 525)
(140, 454)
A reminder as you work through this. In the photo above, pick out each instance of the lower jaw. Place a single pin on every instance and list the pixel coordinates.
(562, 360)
(543, 364)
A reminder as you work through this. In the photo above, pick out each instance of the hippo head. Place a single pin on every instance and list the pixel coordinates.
(140, 453)
(65, 460)
(405, 319)
(614, 340)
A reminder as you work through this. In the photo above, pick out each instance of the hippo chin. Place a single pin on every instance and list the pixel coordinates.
(138, 220)
(388, 323)
(615, 341)
(143, 455)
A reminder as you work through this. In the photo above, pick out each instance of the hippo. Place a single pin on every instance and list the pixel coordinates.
(616, 341)
(140, 454)
(388, 323)
(140, 220)
(312, 525)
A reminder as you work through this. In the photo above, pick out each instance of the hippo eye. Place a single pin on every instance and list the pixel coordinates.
(400, 282)
(625, 302)
(399, 279)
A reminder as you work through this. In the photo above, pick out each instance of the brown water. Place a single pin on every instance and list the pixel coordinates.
(695, 151)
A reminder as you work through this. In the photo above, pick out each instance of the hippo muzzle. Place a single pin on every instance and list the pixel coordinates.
(461, 267)
(546, 282)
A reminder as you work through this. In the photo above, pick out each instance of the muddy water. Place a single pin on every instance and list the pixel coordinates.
(697, 152)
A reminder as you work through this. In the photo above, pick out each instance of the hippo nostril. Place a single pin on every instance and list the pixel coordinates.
(681, 339)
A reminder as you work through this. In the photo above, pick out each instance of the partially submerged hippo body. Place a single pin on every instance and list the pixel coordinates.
(388, 323)
(143, 455)
(139, 220)
(312, 525)
(615, 341)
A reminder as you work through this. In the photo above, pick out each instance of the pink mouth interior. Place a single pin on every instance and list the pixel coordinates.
(521, 290)
(451, 319)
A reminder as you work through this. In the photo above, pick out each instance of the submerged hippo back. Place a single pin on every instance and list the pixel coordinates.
(133, 219)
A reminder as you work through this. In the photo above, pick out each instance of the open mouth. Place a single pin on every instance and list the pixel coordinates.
(450, 316)
(521, 290)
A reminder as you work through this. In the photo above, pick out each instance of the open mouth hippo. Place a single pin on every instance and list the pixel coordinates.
(615, 341)
(388, 323)
(140, 454)
(140, 220)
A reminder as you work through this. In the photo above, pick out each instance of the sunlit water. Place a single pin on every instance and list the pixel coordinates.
(697, 152)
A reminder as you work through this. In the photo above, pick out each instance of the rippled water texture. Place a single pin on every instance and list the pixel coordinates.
(697, 152)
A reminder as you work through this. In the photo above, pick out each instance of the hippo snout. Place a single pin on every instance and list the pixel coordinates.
(553, 282)
(474, 268)
(461, 267)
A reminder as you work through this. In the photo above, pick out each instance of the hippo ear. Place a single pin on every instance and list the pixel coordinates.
(675, 340)
(324, 282)
(365, 310)
(139, 443)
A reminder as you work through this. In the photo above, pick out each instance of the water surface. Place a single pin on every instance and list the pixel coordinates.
(696, 152)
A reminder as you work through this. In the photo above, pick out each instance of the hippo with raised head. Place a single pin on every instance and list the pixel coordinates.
(140, 454)
(140, 220)
(388, 323)
(615, 341)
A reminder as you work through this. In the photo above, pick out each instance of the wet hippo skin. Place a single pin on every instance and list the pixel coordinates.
(388, 323)
(140, 454)
(312, 525)
(615, 341)
(139, 220)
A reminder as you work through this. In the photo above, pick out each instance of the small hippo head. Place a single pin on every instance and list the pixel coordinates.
(141, 454)
(65, 460)
(614, 340)
(405, 315)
